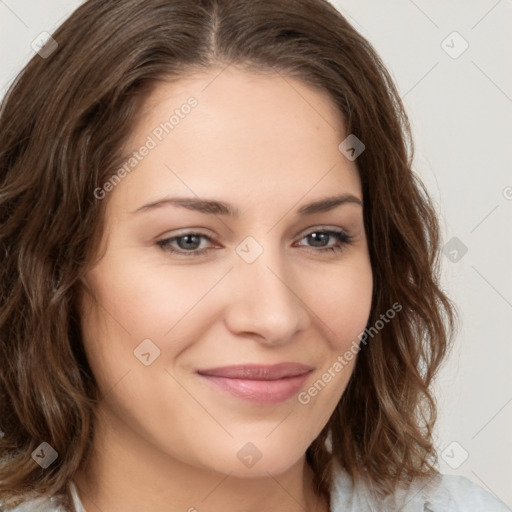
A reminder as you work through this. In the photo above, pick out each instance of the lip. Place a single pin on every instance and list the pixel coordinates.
(264, 384)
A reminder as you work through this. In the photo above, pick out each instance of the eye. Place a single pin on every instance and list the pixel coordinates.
(188, 244)
(320, 238)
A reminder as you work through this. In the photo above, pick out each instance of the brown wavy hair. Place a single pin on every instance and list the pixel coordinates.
(64, 121)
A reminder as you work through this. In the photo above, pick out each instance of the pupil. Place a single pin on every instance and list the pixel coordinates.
(194, 241)
(319, 237)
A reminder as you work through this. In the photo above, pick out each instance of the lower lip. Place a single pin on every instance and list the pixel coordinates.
(260, 391)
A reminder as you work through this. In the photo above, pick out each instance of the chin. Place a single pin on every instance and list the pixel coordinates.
(248, 462)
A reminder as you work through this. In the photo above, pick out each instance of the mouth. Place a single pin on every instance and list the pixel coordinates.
(264, 384)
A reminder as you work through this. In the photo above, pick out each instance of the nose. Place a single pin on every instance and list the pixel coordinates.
(266, 300)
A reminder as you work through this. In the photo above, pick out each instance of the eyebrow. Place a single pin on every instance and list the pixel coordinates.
(215, 207)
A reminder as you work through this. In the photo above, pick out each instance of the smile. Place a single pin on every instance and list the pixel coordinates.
(259, 384)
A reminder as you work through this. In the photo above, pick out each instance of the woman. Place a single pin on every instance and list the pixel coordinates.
(220, 284)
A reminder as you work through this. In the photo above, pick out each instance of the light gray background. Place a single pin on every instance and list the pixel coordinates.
(461, 112)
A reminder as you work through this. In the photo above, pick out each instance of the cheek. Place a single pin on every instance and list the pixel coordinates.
(344, 304)
(343, 307)
(148, 300)
(137, 301)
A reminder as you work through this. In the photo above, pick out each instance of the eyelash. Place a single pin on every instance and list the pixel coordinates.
(343, 238)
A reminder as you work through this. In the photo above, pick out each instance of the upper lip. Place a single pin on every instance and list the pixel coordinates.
(258, 372)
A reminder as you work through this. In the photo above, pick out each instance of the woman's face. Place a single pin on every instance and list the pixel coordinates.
(260, 287)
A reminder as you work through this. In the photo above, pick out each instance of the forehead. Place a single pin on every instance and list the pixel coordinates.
(259, 135)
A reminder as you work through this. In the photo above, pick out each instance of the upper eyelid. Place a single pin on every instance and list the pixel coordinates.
(305, 233)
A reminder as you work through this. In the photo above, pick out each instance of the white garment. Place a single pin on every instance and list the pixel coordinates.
(442, 494)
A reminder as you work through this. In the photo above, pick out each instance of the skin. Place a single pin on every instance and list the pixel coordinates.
(164, 439)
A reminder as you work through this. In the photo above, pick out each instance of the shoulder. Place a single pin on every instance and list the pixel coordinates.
(37, 505)
(442, 493)
(49, 504)
(464, 495)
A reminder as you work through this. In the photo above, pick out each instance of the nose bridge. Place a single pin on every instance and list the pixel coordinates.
(265, 301)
